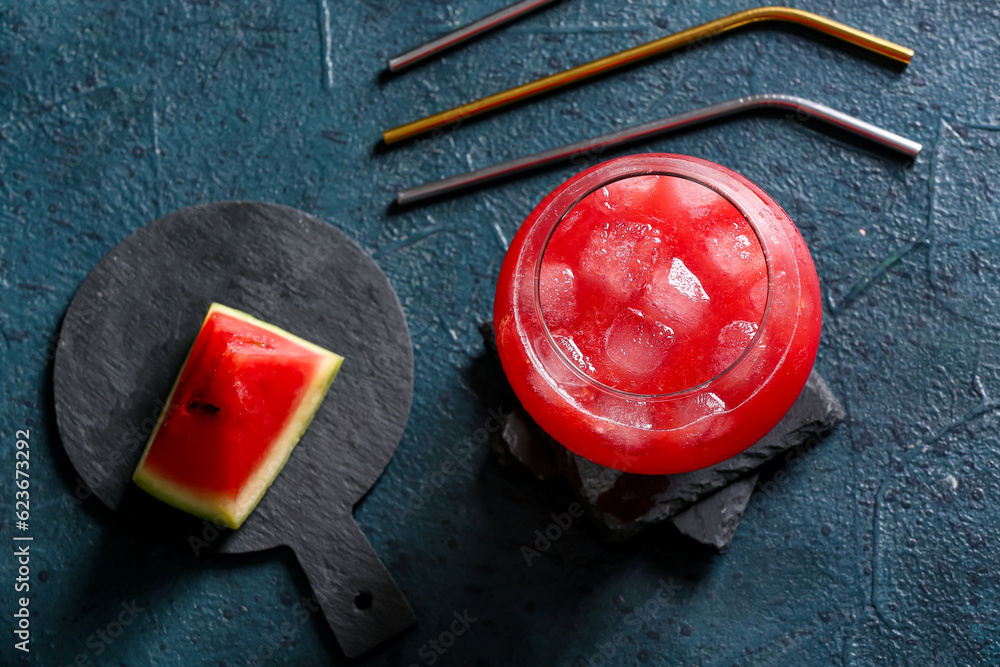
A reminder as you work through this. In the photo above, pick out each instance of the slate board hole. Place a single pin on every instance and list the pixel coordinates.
(363, 600)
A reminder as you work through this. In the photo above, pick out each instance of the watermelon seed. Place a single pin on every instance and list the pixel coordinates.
(207, 408)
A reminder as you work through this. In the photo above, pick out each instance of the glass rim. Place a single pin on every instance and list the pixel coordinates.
(536, 285)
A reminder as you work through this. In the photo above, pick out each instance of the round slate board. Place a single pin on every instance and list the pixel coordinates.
(125, 337)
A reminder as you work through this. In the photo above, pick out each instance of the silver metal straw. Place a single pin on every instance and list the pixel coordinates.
(465, 33)
(804, 110)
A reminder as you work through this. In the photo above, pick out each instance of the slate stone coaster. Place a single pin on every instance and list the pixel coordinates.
(522, 444)
(127, 333)
(713, 521)
(624, 504)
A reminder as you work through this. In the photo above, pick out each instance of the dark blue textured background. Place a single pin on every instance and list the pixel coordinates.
(879, 546)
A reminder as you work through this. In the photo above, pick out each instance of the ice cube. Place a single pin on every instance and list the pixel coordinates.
(637, 343)
(563, 379)
(678, 296)
(633, 193)
(737, 335)
(758, 294)
(572, 350)
(620, 257)
(686, 282)
(557, 288)
(691, 199)
(735, 252)
(733, 340)
(711, 403)
(625, 412)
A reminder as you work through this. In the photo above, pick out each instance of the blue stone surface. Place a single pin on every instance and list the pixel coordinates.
(878, 546)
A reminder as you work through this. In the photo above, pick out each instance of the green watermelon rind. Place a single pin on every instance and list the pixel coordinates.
(222, 511)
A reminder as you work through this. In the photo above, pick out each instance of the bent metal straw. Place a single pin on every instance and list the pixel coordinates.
(803, 108)
(648, 50)
(465, 33)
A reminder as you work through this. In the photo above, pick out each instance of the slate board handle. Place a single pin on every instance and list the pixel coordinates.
(359, 598)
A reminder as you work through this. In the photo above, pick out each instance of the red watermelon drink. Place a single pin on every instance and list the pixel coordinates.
(657, 313)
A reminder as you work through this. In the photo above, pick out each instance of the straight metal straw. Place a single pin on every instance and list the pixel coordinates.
(465, 33)
(693, 35)
(803, 108)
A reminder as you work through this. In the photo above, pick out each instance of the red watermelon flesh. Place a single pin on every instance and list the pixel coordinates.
(245, 395)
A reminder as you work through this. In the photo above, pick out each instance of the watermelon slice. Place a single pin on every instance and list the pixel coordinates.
(242, 400)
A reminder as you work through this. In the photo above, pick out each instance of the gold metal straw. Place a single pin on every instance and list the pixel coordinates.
(648, 50)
